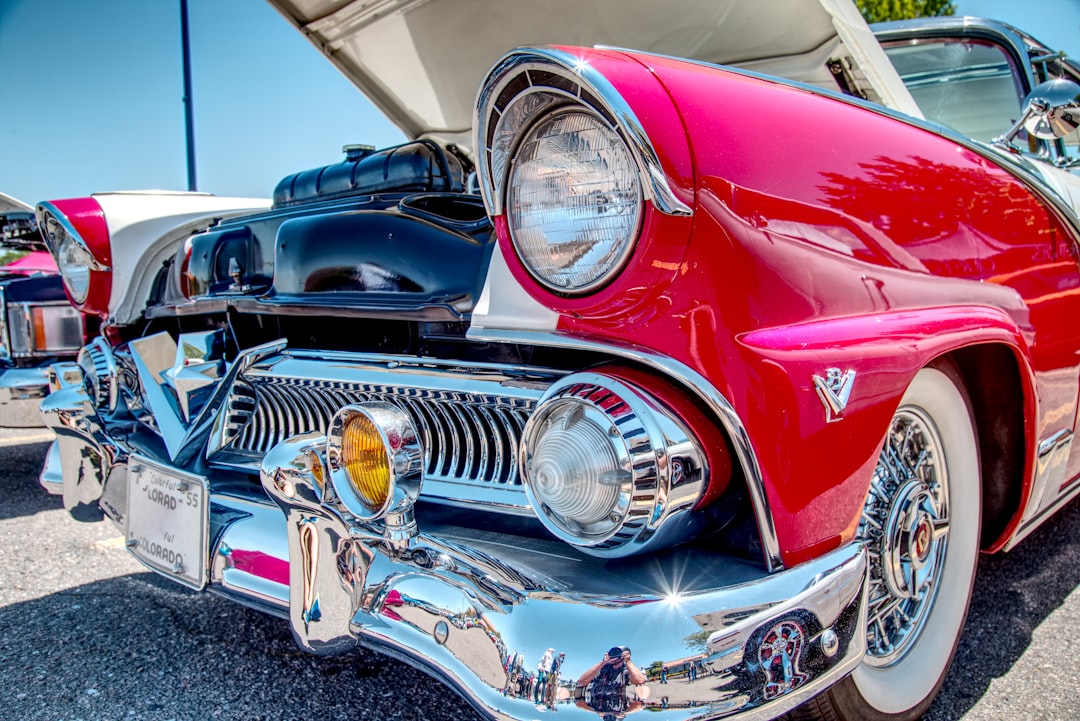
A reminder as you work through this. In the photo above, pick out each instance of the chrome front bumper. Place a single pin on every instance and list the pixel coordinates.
(463, 603)
(21, 391)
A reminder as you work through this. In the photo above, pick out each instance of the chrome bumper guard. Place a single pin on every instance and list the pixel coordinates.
(479, 615)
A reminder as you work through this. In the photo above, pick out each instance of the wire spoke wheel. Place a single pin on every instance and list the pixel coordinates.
(906, 523)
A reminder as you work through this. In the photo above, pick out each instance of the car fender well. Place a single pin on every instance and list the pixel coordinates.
(883, 352)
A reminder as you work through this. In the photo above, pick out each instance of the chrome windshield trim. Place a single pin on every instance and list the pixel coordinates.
(720, 406)
(589, 88)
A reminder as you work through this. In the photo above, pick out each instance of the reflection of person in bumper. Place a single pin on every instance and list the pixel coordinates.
(603, 687)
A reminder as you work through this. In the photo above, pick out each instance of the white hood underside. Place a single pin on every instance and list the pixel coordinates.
(422, 61)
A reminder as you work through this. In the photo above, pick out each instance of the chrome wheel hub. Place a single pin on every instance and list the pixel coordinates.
(905, 523)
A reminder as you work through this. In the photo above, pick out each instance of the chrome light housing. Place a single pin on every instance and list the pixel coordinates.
(608, 469)
(82, 256)
(375, 461)
(574, 201)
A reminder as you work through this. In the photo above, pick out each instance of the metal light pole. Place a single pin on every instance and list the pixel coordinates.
(189, 113)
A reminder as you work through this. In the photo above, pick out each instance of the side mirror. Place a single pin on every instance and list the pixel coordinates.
(1051, 111)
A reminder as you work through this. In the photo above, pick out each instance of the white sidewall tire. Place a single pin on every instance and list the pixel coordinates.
(916, 677)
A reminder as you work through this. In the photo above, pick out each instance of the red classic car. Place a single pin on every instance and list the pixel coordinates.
(630, 366)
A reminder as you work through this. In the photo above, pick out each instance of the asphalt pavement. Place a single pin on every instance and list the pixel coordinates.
(87, 633)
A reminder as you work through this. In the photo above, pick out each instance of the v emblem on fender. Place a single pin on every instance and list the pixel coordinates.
(834, 390)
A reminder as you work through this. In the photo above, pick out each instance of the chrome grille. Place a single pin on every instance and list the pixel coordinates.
(466, 439)
(470, 420)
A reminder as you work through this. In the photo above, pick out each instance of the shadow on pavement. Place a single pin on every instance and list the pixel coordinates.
(137, 646)
(1014, 593)
(20, 466)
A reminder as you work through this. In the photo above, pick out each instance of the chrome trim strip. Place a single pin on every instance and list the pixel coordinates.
(591, 86)
(720, 406)
(1046, 494)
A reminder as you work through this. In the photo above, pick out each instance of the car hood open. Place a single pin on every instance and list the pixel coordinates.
(421, 61)
(18, 228)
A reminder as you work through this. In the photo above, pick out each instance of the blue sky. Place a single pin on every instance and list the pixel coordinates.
(92, 96)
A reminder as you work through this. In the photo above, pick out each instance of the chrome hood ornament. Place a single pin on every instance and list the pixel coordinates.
(196, 371)
(184, 383)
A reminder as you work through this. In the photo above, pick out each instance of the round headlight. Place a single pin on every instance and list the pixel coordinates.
(574, 201)
(74, 264)
(608, 469)
(375, 459)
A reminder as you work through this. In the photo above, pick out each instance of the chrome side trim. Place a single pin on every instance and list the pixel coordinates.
(720, 406)
(1046, 495)
(496, 130)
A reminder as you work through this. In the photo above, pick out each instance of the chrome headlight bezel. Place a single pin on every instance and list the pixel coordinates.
(525, 87)
(661, 471)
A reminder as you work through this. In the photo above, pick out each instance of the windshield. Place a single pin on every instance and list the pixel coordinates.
(968, 85)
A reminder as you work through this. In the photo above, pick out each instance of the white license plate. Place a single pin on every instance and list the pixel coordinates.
(167, 521)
